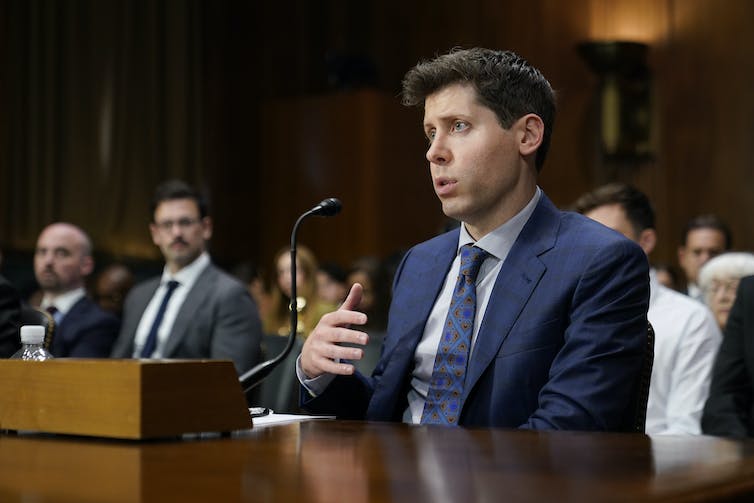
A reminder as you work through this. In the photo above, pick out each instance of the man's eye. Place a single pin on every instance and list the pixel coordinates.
(430, 135)
(459, 126)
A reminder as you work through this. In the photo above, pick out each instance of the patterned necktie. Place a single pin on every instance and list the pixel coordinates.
(443, 403)
(151, 342)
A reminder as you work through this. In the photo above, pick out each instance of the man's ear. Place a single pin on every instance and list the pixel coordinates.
(681, 255)
(648, 240)
(533, 132)
(87, 265)
(206, 228)
(154, 231)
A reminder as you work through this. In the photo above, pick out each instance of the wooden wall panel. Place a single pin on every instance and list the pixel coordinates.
(276, 123)
(362, 148)
(700, 53)
(708, 114)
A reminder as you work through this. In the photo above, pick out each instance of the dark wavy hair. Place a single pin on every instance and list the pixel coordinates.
(178, 189)
(504, 82)
(635, 203)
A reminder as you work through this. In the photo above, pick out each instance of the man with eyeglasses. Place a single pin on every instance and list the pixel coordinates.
(194, 310)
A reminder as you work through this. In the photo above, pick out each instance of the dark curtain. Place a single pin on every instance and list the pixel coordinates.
(101, 100)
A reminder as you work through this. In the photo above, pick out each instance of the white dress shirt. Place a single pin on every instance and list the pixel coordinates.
(186, 277)
(686, 341)
(693, 291)
(498, 244)
(63, 303)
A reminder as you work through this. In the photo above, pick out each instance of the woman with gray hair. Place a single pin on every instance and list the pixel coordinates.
(719, 278)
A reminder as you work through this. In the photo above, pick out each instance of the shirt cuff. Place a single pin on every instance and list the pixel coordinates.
(316, 386)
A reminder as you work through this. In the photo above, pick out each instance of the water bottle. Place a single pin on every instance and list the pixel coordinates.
(32, 344)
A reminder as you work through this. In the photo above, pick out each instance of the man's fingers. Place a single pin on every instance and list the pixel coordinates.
(323, 351)
(342, 318)
(326, 366)
(354, 297)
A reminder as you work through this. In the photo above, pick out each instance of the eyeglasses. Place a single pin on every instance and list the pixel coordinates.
(183, 224)
(727, 287)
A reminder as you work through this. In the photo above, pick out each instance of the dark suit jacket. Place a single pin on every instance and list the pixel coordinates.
(217, 320)
(561, 344)
(729, 410)
(86, 331)
(10, 319)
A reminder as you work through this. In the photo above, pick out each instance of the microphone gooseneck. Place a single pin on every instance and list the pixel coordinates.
(326, 208)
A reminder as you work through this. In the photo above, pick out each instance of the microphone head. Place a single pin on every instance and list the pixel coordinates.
(327, 207)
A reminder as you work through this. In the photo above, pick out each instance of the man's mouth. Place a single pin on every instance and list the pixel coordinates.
(443, 184)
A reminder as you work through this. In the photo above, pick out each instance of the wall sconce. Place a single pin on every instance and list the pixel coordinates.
(624, 97)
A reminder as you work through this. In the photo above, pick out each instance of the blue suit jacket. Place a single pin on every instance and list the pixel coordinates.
(561, 344)
(86, 331)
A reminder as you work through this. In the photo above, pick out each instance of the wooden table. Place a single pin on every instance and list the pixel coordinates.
(332, 462)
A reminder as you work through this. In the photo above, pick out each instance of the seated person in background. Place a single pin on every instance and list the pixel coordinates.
(310, 306)
(686, 335)
(719, 279)
(375, 296)
(194, 310)
(62, 261)
(331, 283)
(10, 319)
(729, 410)
(111, 287)
(666, 275)
(375, 299)
(523, 315)
(703, 237)
(252, 276)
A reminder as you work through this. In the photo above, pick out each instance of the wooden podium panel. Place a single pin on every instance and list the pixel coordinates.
(128, 399)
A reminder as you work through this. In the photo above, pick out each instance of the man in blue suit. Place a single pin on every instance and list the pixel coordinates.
(558, 332)
(62, 261)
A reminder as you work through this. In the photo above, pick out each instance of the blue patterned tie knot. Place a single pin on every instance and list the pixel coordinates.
(443, 404)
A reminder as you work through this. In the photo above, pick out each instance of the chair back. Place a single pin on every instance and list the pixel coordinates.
(640, 416)
(35, 316)
(280, 390)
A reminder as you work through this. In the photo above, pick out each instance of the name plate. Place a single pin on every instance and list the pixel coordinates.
(126, 399)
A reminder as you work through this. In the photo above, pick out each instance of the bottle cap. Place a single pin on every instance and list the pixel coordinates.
(32, 334)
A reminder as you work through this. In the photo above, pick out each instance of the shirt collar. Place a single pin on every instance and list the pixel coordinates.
(64, 302)
(188, 275)
(500, 241)
(654, 286)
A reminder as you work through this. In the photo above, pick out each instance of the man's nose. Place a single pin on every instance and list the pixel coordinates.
(438, 152)
(176, 230)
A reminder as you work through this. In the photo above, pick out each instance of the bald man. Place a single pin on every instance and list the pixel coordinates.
(62, 261)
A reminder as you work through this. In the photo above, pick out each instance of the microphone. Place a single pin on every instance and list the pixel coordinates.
(326, 208)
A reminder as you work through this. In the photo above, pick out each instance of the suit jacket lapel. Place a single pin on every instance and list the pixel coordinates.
(514, 285)
(431, 271)
(426, 271)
